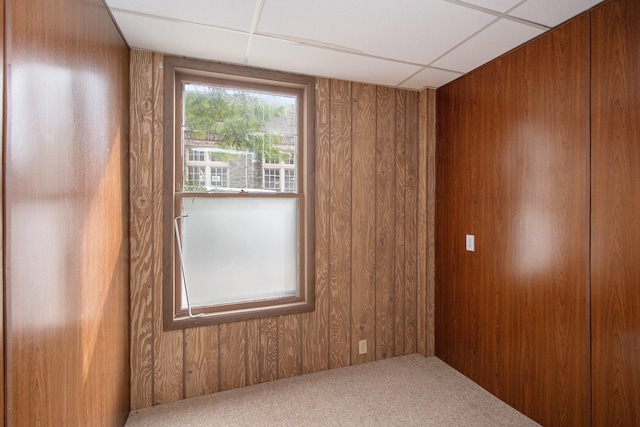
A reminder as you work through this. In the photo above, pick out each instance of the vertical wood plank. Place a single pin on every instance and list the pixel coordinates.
(340, 226)
(201, 360)
(168, 346)
(448, 257)
(141, 182)
(363, 242)
(385, 222)
(252, 351)
(268, 355)
(411, 225)
(400, 196)
(431, 220)
(315, 326)
(232, 370)
(289, 345)
(615, 202)
(2, 208)
(421, 305)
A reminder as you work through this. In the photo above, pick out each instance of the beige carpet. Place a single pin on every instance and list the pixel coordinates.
(403, 391)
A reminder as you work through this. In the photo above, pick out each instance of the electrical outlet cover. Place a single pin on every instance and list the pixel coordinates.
(362, 347)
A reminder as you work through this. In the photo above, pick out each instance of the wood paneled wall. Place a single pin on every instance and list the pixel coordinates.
(372, 227)
(615, 201)
(66, 223)
(513, 170)
(2, 300)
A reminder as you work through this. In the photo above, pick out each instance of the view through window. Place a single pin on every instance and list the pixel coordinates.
(240, 139)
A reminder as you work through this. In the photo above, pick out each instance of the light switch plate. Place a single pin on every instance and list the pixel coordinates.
(471, 243)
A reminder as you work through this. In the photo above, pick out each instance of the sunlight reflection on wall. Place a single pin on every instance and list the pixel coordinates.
(539, 209)
(535, 234)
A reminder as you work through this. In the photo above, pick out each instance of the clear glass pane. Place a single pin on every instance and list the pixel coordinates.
(252, 134)
(239, 249)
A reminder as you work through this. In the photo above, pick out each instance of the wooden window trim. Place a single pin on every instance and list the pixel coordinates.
(175, 67)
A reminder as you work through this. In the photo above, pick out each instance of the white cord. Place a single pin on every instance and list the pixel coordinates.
(184, 276)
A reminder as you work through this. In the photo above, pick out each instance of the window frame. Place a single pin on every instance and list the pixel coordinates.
(175, 68)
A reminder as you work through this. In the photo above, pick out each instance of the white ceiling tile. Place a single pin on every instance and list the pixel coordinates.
(180, 38)
(416, 31)
(430, 77)
(232, 14)
(380, 42)
(551, 12)
(303, 59)
(495, 5)
(490, 43)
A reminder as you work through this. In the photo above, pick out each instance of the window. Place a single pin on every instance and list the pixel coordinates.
(289, 183)
(272, 179)
(196, 156)
(275, 168)
(270, 160)
(219, 177)
(238, 239)
(195, 176)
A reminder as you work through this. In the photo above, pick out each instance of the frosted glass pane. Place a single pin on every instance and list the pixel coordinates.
(239, 249)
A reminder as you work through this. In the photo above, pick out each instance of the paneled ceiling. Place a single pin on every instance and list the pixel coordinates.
(411, 44)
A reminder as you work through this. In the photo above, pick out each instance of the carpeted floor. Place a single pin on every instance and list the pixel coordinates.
(403, 391)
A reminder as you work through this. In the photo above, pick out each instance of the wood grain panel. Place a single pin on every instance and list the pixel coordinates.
(363, 167)
(421, 225)
(289, 345)
(340, 219)
(385, 222)
(66, 233)
(141, 295)
(363, 222)
(268, 354)
(252, 351)
(431, 219)
(2, 301)
(512, 169)
(232, 370)
(168, 361)
(200, 361)
(451, 224)
(168, 371)
(615, 201)
(315, 325)
(411, 224)
(400, 220)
